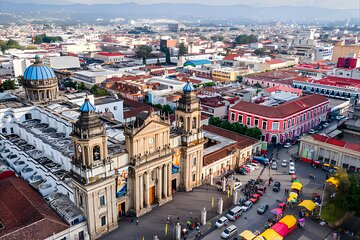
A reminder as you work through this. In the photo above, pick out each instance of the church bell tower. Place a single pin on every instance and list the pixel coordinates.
(188, 123)
(92, 176)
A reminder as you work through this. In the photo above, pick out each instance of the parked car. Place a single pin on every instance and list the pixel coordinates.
(262, 209)
(237, 185)
(223, 221)
(229, 232)
(251, 167)
(284, 163)
(255, 165)
(312, 131)
(246, 168)
(274, 165)
(234, 213)
(291, 170)
(287, 145)
(291, 164)
(241, 171)
(254, 198)
(247, 205)
(261, 188)
(325, 125)
(276, 187)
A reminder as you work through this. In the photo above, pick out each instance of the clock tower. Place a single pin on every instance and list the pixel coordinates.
(93, 177)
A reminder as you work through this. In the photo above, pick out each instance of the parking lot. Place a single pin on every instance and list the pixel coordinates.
(253, 221)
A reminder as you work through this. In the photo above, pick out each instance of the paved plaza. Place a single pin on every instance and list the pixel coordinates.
(189, 205)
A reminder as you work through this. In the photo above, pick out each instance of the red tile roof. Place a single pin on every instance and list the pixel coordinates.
(336, 142)
(24, 213)
(274, 61)
(231, 57)
(335, 81)
(282, 110)
(242, 141)
(109, 54)
(217, 155)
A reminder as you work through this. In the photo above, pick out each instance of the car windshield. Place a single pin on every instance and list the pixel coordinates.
(262, 207)
(231, 213)
(219, 221)
(227, 231)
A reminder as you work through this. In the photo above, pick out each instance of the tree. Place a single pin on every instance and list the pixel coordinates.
(182, 49)
(7, 85)
(259, 51)
(81, 86)
(167, 56)
(143, 52)
(166, 109)
(20, 80)
(9, 45)
(42, 38)
(257, 85)
(98, 92)
(246, 39)
(209, 84)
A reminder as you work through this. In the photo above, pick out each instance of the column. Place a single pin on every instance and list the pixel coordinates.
(136, 184)
(159, 183)
(147, 195)
(141, 182)
(169, 166)
(165, 181)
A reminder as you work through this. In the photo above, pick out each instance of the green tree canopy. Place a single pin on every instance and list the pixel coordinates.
(259, 51)
(182, 49)
(246, 39)
(236, 127)
(5, 45)
(42, 38)
(143, 52)
(7, 85)
(98, 92)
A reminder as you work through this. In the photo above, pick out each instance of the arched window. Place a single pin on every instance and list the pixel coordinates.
(194, 161)
(194, 123)
(181, 122)
(96, 153)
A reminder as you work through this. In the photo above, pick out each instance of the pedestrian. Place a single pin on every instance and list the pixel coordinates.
(285, 191)
(132, 219)
(137, 221)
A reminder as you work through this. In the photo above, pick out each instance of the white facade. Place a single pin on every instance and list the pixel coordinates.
(62, 62)
(79, 47)
(14, 67)
(323, 53)
(347, 73)
(115, 106)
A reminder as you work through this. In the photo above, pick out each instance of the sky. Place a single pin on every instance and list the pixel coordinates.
(334, 4)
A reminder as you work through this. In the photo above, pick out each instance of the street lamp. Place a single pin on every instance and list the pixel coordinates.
(322, 199)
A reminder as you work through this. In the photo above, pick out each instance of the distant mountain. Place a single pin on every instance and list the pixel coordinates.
(176, 11)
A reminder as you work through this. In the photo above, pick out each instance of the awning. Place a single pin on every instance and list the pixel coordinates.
(293, 195)
(308, 204)
(333, 181)
(289, 220)
(247, 235)
(270, 234)
(296, 185)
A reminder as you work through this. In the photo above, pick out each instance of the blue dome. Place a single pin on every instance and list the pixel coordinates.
(188, 87)
(38, 72)
(87, 106)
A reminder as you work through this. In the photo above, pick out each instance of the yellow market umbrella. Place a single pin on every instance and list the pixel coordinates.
(333, 181)
(289, 220)
(247, 235)
(296, 185)
(270, 234)
(308, 204)
(293, 195)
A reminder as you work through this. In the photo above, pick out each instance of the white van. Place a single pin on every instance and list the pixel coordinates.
(234, 213)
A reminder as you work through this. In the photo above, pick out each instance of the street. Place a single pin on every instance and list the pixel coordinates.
(252, 221)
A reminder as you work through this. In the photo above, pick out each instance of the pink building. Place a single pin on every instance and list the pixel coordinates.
(283, 122)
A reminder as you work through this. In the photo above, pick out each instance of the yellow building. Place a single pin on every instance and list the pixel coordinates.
(341, 50)
(225, 74)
